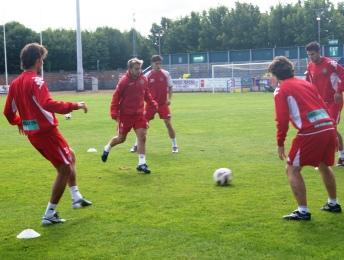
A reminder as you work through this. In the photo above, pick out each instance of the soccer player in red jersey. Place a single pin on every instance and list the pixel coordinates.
(298, 101)
(30, 107)
(328, 76)
(127, 108)
(160, 86)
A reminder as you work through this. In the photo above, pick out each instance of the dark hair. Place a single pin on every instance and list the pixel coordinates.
(282, 68)
(313, 46)
(31, 53)
(156, 58)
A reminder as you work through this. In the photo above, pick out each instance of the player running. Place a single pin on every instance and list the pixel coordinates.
(127, 108)
(298, 101)
(160, 86)
(30, 107)
(328, 76)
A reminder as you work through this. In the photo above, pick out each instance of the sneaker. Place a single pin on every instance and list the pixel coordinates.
(105, 156)
(332, 208)
(53, 219)
(143, 168)
(175, 149)
(296, 215)
(340, 162)
(133, 149)
(81, 203)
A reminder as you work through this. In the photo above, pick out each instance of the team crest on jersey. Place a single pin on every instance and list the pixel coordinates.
(161, 79)
(39, 81)
(142, 82)
(325, 71)
(151, 80)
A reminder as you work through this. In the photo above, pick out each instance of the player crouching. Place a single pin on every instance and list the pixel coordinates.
(298, 101)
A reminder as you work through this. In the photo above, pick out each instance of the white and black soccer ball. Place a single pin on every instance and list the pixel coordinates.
(223, 176)
(68, 116)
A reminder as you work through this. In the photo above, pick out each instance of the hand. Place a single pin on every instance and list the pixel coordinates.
(114, 117)
(168, 102)
(83, 106)
(21, 130)
(281, 153)
(338, 98)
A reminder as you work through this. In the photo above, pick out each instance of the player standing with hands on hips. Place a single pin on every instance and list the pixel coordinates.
(127, 108)
(298, 101)
(30, 107)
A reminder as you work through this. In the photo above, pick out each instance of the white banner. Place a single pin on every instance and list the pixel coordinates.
(225, 84)
(4, 89)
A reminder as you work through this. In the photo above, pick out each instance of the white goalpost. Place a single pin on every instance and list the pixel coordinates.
(243, 76)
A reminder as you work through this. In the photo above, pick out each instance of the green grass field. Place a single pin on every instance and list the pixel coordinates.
(176, 212)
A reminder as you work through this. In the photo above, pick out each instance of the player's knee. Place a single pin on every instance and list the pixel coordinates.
(65, 170)
(121, 139)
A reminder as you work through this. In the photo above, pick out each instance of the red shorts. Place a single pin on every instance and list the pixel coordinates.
(126, 123)
(313, 149)
(53, 147)
(335, 110)
(163, 111)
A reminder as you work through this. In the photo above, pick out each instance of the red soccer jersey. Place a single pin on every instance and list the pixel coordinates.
(159, 82)
(129, 96)
(327, 77)
(298, 101)
(29, 104)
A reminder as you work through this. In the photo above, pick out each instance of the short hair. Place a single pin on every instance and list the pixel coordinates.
(282, 68)
(30, 53)
(134, 61)
(156, 58)
(313, 46)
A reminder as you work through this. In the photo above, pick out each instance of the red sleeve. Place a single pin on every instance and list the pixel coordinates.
(43, 98)
(308, 75)
(10, 110)
(116, 98)
(282, 116)
(340, 73)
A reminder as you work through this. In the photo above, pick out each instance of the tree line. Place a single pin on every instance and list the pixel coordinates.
(242, 27)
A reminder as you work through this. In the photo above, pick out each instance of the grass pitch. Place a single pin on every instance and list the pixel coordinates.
(176, 212)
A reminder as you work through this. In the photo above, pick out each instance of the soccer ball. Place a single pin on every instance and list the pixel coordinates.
(223, 176)
(68, 116)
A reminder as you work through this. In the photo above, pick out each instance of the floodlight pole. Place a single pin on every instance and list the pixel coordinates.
(5, 55)
(134, 37)
(80, 72)
(318, 13)
(41, 41)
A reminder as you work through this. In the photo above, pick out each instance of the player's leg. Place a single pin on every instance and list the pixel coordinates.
(298, 188)
(124, 127)
(50, 216)
(78, 201)
(172, 134)
(165, 114)
(141, 134)
(330, 184)
(149, 115)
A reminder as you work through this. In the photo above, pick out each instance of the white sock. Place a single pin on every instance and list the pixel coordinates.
(341, 154)
(74, 192)
(332, 201)
(142, 159)
(50, 210)
(174, 142)
(135, 142)
(302, 209)
(107, 148)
